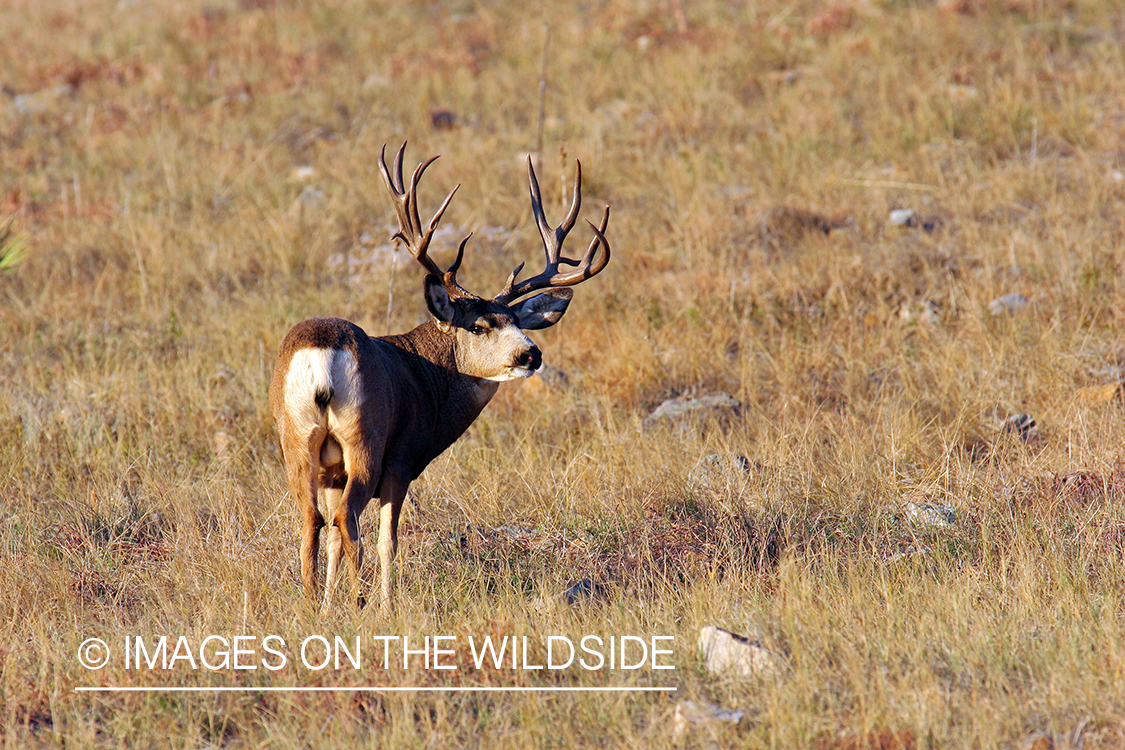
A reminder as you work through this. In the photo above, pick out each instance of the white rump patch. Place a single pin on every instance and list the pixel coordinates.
(321, 371)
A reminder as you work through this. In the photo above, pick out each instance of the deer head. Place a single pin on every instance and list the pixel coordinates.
(488, 334)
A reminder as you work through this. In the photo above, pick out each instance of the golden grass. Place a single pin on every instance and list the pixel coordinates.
(164, 240)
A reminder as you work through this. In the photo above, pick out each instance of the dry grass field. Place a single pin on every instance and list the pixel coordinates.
(185, 181)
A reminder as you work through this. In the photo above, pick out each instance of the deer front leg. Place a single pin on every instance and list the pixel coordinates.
(392, 491)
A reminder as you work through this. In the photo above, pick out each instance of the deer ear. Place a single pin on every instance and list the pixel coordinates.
(543, 310)
(437, 299)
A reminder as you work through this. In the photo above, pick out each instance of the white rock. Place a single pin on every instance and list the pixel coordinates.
(1009, 303)
(721, 472)
(677, 411)
(906, 554)
(35, 102)
(690, 714)
(903, 217)
(376, 81)
(930, 515)
(311, 197)
(518, 532)
(302, 173)
(962, 93)
(729, 654)
(926, 311)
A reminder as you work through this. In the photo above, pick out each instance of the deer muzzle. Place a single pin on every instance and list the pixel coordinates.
(529, 359)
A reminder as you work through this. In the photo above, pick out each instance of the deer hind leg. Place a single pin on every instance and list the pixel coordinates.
(345, 520)
(302, 486)
(333, 545)
(310, 551)
(334, 480)
(392, 491)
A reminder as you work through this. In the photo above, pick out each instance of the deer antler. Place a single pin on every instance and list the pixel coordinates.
(591, 263)
(410, 230)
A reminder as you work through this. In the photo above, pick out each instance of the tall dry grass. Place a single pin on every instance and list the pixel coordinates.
(152, 164)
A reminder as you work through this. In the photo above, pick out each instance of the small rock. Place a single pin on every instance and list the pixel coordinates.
(311, 197)
(552, 377)
(584, 591)
(931, 313)
(727, 653)
(443, 119)
(926, 311)
(1022, 425)
(302, 173)
(904, 217)
(909, 218)
(930, 515)
(962, 93)
(690, 714)
(1009, 303)
(376, 81)
(787, 77)
(544, 605)
(721, 472)
(906, 553)
(680, 410)
(38, 101)
(518, 532)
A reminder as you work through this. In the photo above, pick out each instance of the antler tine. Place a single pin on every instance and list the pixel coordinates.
(553, 237)
(460, 254)
(591, 263)
(599, 239)
(398, 166)
(412, 194)
(393, 179)
(537, 204)
(540, 218)
(410, 230)
(575, 204)
(586, 267)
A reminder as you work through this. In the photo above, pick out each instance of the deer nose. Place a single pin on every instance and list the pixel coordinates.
(530, 359)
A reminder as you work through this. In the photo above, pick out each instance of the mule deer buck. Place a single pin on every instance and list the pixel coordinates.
(361, 417)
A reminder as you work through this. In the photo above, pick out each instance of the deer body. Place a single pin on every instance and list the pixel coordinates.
(366, 411)
(405, 390)
(361, 417)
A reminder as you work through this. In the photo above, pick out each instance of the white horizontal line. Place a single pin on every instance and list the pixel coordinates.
(373, 689)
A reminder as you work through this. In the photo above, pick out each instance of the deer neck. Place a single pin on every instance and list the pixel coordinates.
(436, 355)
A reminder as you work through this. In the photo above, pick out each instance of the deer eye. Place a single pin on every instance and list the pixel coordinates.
(478, 330)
